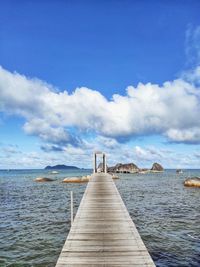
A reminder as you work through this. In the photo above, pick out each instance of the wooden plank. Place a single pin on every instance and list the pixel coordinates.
(103, 233)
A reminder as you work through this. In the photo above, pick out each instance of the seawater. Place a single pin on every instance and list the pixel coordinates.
(35, 217)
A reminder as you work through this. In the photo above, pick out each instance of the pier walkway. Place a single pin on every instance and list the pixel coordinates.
(103, 233)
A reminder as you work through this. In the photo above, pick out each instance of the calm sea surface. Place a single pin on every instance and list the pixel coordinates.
(35, 217)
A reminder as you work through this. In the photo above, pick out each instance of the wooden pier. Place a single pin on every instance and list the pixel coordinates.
(103, 233)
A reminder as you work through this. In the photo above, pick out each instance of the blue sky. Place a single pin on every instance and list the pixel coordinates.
(100, 47)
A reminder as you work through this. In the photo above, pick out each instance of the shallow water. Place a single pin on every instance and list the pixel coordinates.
(35, 217)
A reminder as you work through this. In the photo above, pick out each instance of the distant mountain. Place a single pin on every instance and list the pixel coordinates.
(61, 167)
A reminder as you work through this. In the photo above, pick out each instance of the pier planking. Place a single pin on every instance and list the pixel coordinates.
(103, 233)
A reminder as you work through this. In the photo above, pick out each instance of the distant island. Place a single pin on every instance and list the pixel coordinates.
(61, 167)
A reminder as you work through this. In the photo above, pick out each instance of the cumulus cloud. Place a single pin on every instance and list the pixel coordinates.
(48, 132)
(106, 142)
(171, 110)
(150, 153)
(188, 136)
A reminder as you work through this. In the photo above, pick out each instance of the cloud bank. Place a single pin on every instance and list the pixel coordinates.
(171, 110)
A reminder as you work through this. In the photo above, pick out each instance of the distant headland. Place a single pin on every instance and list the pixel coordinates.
(61, 167)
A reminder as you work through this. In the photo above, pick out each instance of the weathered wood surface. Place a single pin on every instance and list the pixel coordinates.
(103, 233)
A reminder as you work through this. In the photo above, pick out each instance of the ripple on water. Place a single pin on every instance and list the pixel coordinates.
(35, 218)
(165, 212)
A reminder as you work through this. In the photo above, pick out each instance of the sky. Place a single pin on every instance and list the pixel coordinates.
(117, 76)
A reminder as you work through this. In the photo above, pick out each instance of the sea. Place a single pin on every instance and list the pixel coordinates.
(35, 217)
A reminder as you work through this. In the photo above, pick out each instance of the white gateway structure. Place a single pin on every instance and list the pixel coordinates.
(103, 165)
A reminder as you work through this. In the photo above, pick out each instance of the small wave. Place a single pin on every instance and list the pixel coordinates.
(194, 237)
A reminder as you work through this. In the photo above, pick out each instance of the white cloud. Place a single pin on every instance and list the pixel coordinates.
(170, 109)
(192, 44)
(190, 136)
(10, 149)
(109, 143)
(47, 132)
(150, 153)
(193, 76)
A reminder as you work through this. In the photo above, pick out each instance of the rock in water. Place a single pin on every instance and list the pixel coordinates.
(157, 168)
(123, 168)
(86, 178)
(194, 181)
(83, 179)
(43, 179)
(72, 180)
(115, 177)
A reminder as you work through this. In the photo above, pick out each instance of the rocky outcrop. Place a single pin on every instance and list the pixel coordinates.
(86, 178)
(83, 179)
(100, 167)
(43, 179)
(157, 168)
(132, 168)
(124, 168)
(115, 177)
(72, 180)
(113, 169)
(144, 171)
(194, 182)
